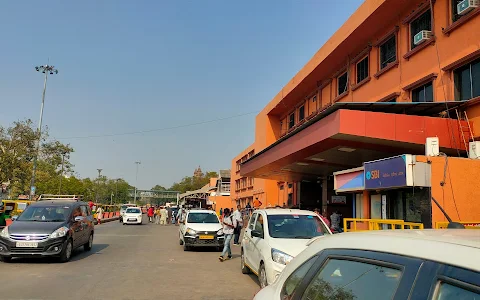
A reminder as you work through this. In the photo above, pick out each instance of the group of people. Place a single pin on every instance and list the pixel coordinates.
(161, 215)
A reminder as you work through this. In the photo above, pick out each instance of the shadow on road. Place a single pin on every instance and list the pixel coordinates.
(78, 254)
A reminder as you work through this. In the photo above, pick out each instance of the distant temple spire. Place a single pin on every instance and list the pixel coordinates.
(198, 172)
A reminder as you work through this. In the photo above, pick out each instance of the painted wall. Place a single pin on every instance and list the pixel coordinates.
(459, 195)
(222, 202)
(358, 37)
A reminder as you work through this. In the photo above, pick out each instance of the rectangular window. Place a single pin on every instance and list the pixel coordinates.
(467, 81)
(291, 120)
(301, 113)
(342, 82)
(424, 22)
(362, 69)
(349, 279)
(388, 52)
(423, 93)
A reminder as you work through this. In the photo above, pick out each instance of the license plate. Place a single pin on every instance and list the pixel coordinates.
(132, 220)
(206, 237)
(27, 245)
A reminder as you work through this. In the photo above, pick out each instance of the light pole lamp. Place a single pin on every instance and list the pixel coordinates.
(136, 181)
(47, 70)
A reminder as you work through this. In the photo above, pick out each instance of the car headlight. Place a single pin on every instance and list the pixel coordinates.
(191, 231)
(220, 232)
(281, 257)
(60, 232)
(4, 233)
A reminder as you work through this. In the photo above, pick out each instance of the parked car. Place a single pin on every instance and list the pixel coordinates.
(274, 237)
(201, 228)
(133, 215)
(48, 228)
(394, 264)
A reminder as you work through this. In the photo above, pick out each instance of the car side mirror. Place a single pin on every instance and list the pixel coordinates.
(79, 219)
(256, 233)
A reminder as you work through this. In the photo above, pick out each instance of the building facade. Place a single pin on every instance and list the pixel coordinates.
(395, 73)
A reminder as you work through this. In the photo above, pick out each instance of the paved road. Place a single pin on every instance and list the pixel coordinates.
(130, 262)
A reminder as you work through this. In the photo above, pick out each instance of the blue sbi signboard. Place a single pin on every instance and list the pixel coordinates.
(386, 173)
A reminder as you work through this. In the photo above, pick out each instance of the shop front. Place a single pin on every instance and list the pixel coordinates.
(400, 189)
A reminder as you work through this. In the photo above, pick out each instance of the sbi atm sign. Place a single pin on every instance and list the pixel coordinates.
(396, 172)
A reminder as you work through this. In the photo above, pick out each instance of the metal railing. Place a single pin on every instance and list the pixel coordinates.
(468, 225)
(354, 224)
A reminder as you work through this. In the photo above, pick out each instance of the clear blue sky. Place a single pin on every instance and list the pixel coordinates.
(128, 66)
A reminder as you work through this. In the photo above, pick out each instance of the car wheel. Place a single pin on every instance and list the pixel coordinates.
(262, 276)
(185, 247)
(180, 242)
(67, 252)
(245, 269)
(89, 244)
(5, 259)
(124, 223)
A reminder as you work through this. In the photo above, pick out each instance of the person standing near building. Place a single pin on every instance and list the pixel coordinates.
(163, 216)
(229, 225)
(257, 203)
(335, 218)
(237, 216)
(221, 213)
(170, 213)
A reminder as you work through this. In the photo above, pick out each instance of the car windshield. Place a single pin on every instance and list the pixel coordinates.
(133, 211)
(202, 218)
(295, 226)
(45, 214)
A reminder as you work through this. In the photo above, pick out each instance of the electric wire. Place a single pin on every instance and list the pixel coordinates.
(157, 129)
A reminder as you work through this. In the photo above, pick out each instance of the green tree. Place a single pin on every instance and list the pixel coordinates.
(159, 188)
(17, 150)
(191, 183)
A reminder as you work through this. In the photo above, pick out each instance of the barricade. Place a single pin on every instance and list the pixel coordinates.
(354, 224)
(468, 225)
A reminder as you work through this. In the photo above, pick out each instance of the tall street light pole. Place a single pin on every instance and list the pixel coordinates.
(136, 181)
(61, 174)
(98, 183)
(46, 69)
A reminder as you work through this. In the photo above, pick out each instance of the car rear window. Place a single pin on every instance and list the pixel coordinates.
(295, 226)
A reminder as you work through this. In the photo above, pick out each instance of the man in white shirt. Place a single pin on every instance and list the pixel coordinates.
(229, 224)
(237, 216)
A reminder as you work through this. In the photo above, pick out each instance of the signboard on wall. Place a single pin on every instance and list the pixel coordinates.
(339, 200)
(386, 173)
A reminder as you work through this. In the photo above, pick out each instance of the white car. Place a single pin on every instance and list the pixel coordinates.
(132, 215)
(395, 264)
(201, 228)
(274, 237)
(123, 208)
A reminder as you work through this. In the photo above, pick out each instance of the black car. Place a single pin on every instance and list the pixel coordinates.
(48, 228)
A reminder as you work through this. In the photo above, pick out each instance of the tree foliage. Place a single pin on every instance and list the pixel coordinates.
(191, 183)
(17, 151)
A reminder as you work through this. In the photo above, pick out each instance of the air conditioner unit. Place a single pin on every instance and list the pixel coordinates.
(474, 150)
(422, 36)
(466, 6)
(432, 146)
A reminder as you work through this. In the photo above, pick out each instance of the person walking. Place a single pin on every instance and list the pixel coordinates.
(237, 216)
(163, 216)
(169, 219)
(221, 213)
(157, 215)
(228, 226)
(151, 212)
(99, 215)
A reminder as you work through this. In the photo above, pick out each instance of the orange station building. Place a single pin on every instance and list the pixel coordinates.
(394, 74)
